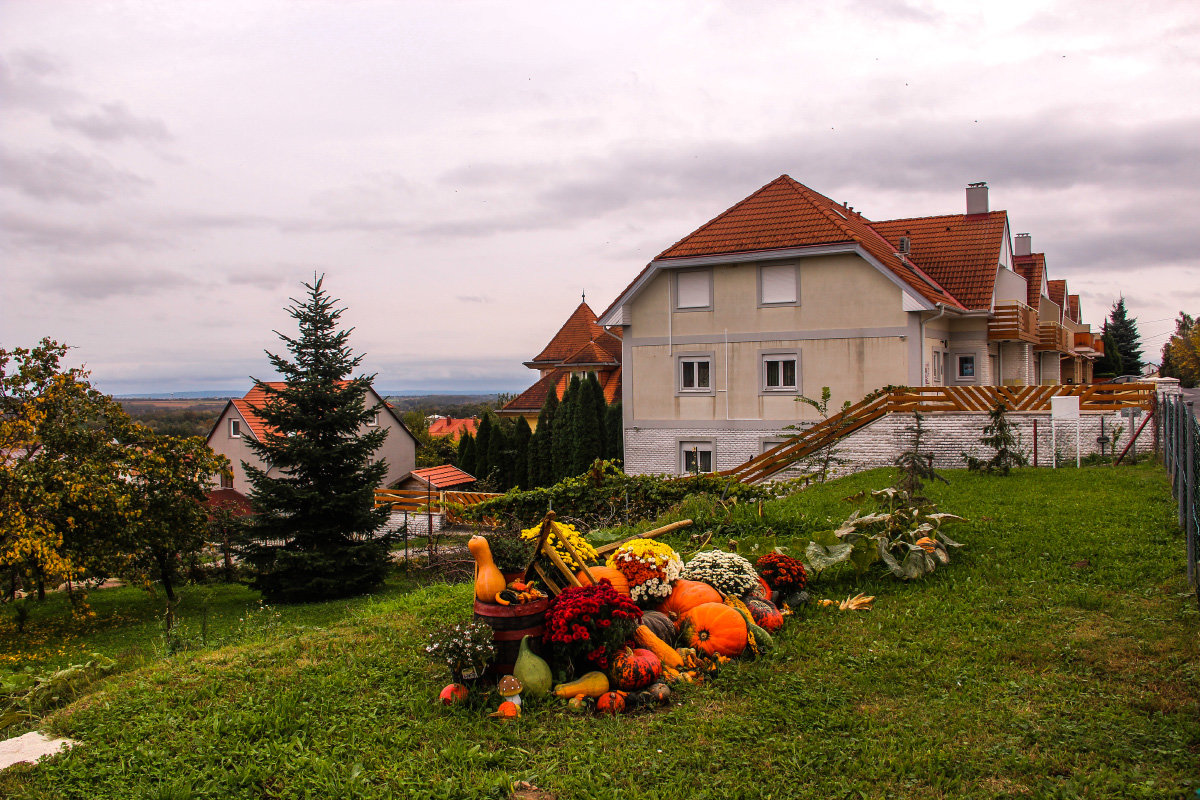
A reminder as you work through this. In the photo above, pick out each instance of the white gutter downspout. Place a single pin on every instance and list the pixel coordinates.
(940, 314)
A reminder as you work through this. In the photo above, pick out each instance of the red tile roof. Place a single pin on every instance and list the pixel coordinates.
(231, 499)
(256, 398)
(787, 214)
(592, 354)
(1031, 268)
(1058, 293)
(442, 477)
(453, 427)
(961, 252)
(531, 400)
(579, 329)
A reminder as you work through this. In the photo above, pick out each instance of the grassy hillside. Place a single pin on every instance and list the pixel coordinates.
(1056, 657)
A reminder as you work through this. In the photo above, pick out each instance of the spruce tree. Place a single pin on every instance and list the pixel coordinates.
(564, 424)
(1125, 333)
(522, 443)
(320, 503)
(542, 472)
(614, 433)
(587, 426)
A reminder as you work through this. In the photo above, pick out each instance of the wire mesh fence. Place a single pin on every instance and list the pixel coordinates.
(1181, 456)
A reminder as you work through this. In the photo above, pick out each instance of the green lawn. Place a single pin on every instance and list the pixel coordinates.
(1056, 657)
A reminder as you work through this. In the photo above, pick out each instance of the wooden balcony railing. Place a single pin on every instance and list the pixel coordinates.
(1013, 322)
(1088, 344)
(1053, 336)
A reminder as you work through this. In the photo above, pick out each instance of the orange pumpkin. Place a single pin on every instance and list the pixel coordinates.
(686, 595)
(611, 703)
(715, 628)
(618, 581)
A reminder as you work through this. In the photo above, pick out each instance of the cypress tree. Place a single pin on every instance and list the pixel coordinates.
(614, 433)
(1109, 364)
(483, 449)
(564, 425)
(541, 469)
(321, 502)
(466, 454)
(1125, 333)
(600, 407)
(499, 457)
(521, 445)
(587, 426)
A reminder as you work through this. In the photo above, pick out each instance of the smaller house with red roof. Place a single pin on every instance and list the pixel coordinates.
(437, 479)
(581, 346)
(240, 423)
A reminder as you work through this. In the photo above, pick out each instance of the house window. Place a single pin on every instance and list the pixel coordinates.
(693, 290)
(235, 429)
(373, 420)
(965, 369)
(781, 372)
(695, 374)
(779, 285)
(695, 457)
(227, 479)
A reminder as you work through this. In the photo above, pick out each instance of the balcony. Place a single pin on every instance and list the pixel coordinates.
(1052, 336)
(1087, 344)
(1013, 322)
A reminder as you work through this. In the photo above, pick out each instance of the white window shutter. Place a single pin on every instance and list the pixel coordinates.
(779, 283)
(693, 289)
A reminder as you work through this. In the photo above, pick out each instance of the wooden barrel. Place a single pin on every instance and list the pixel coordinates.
(509, 625)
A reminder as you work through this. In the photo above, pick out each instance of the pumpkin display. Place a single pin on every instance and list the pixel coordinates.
(611, 703)
(660, 692)
(766, 615)
(763, 642)
(635, 669)
(714, 628)
(685, 596)
(615, 577)
(454, 693)
(666, 654)
(760, 592)
(660, 625)
(591, 684)
(532, 670)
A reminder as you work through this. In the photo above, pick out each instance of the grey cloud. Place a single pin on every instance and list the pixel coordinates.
(24, 81)
(113, 122)
(98, 282)
(65, 174)
(465, 298)
(265, 278)
(45, 233)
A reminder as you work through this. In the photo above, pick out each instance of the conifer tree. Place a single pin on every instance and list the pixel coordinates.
(320, 502)
(522, 443)
(600, 409)
(466, 453)
(541, 472)
(1125, 333)
(562, 456)
(499, 458)
(483, 436)
(587, 426)
(1109, 364)
(614, 433)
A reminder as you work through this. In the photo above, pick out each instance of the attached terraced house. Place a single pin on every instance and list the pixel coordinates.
(788, 291)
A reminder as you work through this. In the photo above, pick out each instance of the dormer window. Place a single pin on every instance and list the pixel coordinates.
(235, 429)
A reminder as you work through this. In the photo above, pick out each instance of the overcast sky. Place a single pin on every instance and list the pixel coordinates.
(170, 173)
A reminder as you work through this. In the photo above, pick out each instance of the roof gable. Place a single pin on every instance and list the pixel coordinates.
(785, 215)
(959, 251)
(256, 398)
(1033, 269)
(579, 329)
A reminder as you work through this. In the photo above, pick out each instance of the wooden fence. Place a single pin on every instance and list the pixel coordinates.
(933, 399)
(423, 501)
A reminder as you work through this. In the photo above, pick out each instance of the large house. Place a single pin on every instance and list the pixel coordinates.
(240, 423)
(580, 347)
(788, 291)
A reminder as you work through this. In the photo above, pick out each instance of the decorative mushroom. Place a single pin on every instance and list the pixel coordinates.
(510, 689)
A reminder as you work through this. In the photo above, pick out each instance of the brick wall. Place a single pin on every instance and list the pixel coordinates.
(949, 437)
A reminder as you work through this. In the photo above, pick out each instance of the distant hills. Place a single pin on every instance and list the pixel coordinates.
(406, 398)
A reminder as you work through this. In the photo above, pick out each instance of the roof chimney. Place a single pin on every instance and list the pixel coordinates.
(977, 201)
(905, 244)
(1024, 245)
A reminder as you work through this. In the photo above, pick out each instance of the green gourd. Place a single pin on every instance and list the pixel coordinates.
(762, 639)
(532, 671)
